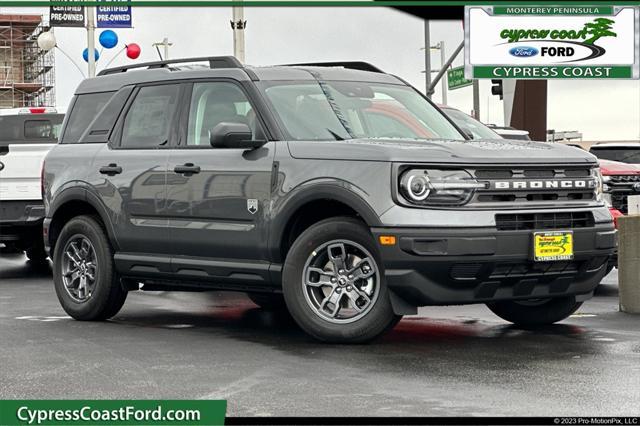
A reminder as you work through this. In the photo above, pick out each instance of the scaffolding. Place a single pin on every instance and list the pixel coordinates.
(27, 73)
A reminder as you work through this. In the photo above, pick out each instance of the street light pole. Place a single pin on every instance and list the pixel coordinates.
(238, 25)
(165, 44)
(476, 100)
(91, 41)
(427, 58)
(443, 59)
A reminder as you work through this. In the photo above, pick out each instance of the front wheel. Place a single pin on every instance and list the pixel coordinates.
(334, 285)
(84, 276)
(535, 312)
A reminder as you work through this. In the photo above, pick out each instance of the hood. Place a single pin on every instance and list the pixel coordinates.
(494, 151)
(608, 167)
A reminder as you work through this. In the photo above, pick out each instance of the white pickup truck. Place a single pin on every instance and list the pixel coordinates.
(26, 136)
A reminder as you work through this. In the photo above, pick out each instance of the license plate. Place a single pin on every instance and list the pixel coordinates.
(552, 246)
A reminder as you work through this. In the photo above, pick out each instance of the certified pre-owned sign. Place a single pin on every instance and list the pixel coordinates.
(540, 42)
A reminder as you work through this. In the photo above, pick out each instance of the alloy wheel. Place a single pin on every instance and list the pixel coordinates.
(79, 268)
(341, 281)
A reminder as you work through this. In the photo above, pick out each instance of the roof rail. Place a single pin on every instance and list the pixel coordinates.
(214, 62)
(353, 65)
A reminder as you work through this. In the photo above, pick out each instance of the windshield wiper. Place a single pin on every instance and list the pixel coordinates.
(335, 135)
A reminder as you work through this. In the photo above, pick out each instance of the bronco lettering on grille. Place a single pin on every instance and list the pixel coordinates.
(545, 184)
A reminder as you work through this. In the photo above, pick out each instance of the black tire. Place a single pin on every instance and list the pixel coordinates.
(377, 320)
(37, 253)
(531, 313)
(268, 301)
(108, 294)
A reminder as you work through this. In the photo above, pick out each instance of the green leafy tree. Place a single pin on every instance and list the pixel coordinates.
(600, 27)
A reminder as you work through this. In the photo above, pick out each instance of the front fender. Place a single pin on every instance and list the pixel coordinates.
(285, 208)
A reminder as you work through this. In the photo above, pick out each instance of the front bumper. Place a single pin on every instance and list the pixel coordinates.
(480, 265)
(21, 221)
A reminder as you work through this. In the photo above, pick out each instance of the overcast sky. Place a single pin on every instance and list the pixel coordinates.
(601, 110)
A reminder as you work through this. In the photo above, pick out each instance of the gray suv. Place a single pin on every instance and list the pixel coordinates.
(334, 190)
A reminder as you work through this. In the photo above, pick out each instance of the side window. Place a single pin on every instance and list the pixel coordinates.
(213, 103)
(84, 110)
(148, 121)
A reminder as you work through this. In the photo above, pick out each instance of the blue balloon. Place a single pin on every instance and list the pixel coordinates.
(108, 39)
(85, 54)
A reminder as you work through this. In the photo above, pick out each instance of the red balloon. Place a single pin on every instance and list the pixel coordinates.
(133, 51)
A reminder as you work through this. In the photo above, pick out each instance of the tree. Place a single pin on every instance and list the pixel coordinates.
(600, 27)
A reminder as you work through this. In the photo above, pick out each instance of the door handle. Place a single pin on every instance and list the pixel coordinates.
(187, 169)
(111, 170)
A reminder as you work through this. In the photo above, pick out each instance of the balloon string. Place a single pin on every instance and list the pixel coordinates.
(115, 56)
(72, 61)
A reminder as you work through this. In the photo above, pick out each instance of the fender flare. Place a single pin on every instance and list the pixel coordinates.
(313, 192)
(81, 193)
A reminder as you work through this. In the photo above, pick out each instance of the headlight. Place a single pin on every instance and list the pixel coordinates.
(438, 187)
(600, 185)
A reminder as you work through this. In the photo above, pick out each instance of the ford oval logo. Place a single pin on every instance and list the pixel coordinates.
(523, 51)
(1, 165)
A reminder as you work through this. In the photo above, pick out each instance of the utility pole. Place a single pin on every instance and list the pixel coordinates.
(238, 24)
(165, 44)
(91, 41)
(443, 59)
(476, 100)
(444, 68)
(427, 58)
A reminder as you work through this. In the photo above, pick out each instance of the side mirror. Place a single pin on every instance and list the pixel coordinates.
(233, 135)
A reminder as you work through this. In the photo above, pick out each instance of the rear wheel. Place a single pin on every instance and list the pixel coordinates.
(85, 279)
(535, 312)
(334, 284)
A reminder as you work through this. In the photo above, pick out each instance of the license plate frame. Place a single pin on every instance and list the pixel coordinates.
(554, 246)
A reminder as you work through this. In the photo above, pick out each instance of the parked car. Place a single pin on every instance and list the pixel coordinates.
(295, 184)
(470, 125)
(621, 152)
(621, 180)
(26, 135)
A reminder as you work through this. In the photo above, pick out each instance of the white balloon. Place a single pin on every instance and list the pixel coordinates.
(46, 41)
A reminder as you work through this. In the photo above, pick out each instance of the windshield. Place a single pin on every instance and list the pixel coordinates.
(338, 110)
(621, 154)
(464, 121)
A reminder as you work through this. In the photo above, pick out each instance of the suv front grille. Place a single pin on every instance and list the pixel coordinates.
(620, 187)
(542, 221)
(527, 186)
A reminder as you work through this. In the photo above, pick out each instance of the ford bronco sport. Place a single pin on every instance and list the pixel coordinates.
(334, 189)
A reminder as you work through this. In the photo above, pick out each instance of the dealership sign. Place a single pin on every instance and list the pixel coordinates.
(66, 16)
(116, 15)
(540, 42)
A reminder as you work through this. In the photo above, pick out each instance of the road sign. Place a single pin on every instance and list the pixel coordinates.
(455, 78)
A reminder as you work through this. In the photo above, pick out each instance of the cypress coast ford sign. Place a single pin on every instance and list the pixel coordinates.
(540, 42)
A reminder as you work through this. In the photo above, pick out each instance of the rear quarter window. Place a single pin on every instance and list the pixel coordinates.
(40, 129)
(84, 110)
(30, 128)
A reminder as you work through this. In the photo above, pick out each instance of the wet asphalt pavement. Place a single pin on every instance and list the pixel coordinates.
(447, 361)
